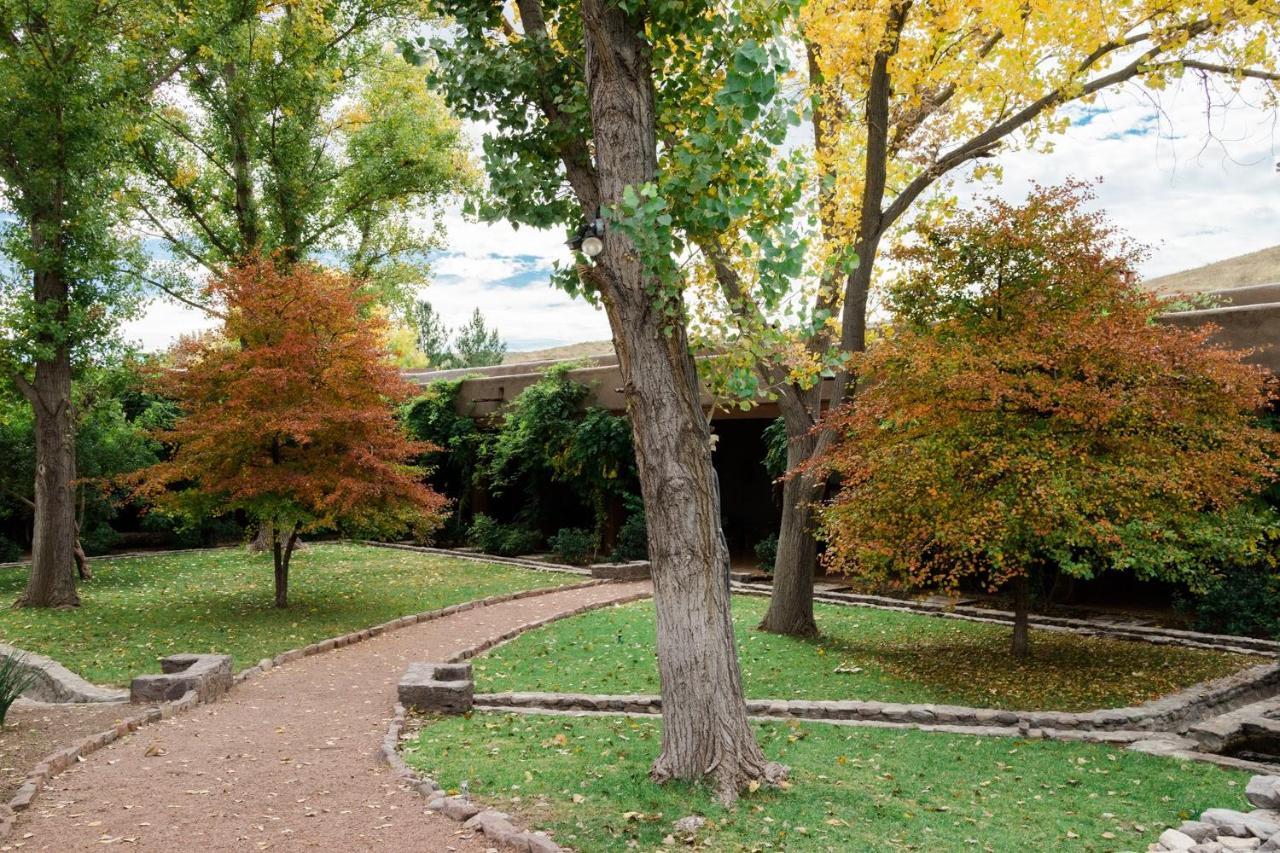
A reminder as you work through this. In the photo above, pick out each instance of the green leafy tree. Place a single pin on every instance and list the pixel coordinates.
(296, 132)
(663, 120)
(1028, 414)
(433, 418)
(432, 335)
(73, 73)
(110, 440)
(476, 345)
(549, 437)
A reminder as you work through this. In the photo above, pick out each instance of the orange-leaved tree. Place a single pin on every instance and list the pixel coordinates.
(288, 414)
(1027, 414)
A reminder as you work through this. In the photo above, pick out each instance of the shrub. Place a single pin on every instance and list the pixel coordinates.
(1244, 601)
(633, 536)
(767, 552)
(15, 679)
(180, 532)
(10, 551)
(99, 539)
(574, 545)
(504, 540)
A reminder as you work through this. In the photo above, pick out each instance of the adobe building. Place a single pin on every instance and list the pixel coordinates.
(1246, 291)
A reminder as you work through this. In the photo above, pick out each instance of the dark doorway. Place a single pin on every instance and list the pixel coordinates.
(749, 507)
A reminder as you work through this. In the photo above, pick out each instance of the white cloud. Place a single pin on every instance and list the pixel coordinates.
(163, 323)
(1195, 185)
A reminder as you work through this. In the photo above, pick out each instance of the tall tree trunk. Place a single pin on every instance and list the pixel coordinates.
(245, 205)
(705, 733)
(1021, 647)
(52, 582)
(791, 600)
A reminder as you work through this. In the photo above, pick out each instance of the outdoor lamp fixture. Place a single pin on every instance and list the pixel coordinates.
(590, 237)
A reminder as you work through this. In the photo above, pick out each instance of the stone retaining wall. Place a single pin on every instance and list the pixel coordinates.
(1088, 627)
(1166, 714)
(55, 683)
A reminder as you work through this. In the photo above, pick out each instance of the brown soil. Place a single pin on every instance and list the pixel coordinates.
(34, 730)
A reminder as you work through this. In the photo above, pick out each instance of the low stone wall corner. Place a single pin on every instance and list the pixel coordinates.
(208, 676)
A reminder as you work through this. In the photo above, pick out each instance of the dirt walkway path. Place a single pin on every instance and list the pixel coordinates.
(286, 761)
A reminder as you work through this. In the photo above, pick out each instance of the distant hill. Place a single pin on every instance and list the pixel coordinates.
(568, 352)
(1262, 267)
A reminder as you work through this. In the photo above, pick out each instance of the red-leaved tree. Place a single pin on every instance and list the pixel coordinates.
(1027, 414)
(288, 414)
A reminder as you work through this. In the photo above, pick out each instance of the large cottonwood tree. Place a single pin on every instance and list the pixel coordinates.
(297, 132)
(908, 92)
(659, 118)
(73, 73)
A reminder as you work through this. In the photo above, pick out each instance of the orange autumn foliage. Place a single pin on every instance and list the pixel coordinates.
(288, 410)
(1027, 412)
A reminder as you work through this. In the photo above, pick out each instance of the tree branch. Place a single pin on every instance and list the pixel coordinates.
(573, 149)
(1214, 68)
(164, 288)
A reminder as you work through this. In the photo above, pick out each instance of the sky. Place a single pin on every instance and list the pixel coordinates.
(1195, 185)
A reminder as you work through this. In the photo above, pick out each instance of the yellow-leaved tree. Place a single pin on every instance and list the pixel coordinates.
(905, 94)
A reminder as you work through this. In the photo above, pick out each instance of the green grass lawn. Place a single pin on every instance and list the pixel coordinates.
(138, 609)
(852, 789)
(863, 654)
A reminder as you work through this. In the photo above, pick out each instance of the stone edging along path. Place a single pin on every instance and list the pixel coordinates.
(1165, 714)
(495, 825)
(58, 761)
(1090, 627)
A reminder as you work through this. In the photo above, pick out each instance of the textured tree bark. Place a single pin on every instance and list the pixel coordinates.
(706, 734)
(52, 582)
(1021, 646)
(791, 600)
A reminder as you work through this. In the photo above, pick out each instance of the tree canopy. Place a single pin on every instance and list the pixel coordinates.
(1026, 413)
(287, 413)
(298, 132)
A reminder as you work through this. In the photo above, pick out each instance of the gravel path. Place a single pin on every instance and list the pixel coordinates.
(286, 761)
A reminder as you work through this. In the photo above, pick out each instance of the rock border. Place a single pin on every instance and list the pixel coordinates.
(1088, 627)
(475, 556)
(402, 622)
(56, 762)
(494, 824)
(60, 760)
(1224, 830)
(54, 683)
(1165, 714)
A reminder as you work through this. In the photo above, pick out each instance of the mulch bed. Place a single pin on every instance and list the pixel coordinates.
(33, 730)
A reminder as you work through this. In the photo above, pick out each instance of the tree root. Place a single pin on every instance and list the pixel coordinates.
(727, 780)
